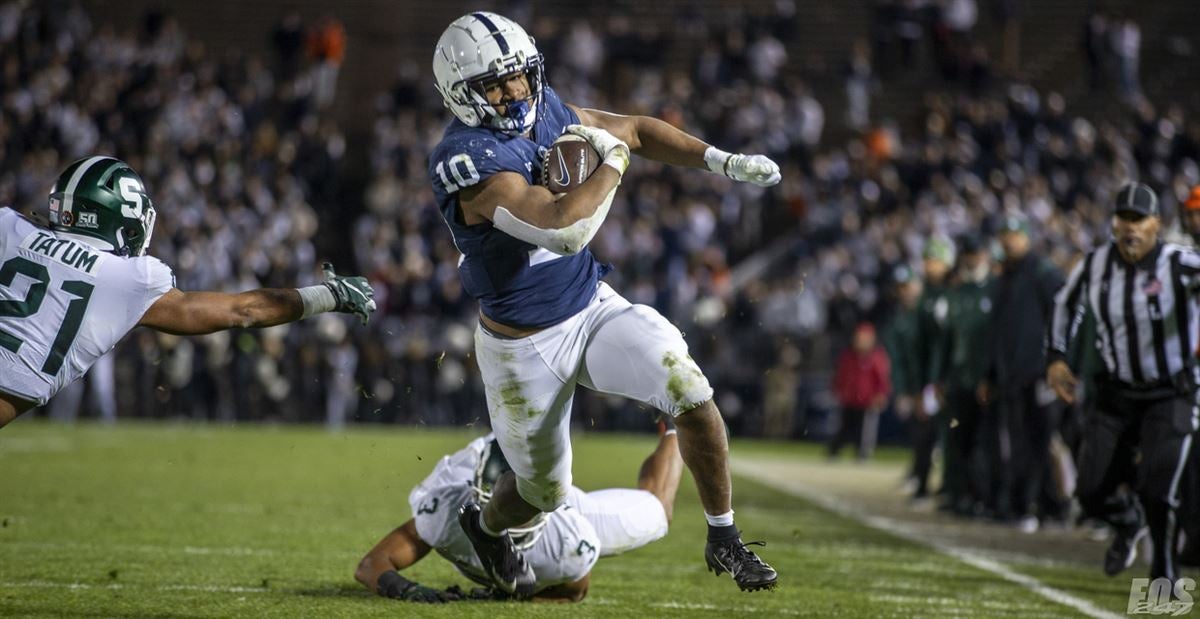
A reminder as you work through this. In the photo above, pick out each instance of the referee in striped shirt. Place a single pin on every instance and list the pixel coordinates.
(1143, 294)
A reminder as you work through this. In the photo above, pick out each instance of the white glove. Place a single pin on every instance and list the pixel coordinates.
(613, 151)
(757, 169)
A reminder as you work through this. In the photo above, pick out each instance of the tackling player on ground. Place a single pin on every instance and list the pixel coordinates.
(561, 547)
(547, 322)
(69, 292)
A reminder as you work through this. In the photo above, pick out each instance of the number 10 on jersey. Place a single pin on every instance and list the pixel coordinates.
(465, 177)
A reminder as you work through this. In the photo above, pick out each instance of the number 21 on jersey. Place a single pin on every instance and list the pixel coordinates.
(24, 308)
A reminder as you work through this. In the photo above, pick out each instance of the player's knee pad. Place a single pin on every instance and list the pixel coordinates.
(687, 408)
(687, 387)
(683, 386)
(693, 399)
(546, 494)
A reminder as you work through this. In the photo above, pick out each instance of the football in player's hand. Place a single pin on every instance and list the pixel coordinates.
(568, 162)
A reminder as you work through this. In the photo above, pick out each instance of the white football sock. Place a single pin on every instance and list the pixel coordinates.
(722, 520)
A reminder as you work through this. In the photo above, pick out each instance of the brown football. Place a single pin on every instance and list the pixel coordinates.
(568, 162)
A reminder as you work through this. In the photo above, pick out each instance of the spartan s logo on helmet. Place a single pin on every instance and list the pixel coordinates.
(478, 48)
(104, 199)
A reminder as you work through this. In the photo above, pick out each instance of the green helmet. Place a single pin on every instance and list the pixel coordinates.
(491, 466)
(103, 198)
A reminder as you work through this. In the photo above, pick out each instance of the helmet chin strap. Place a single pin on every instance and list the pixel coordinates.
(517, 110)
(520, 114)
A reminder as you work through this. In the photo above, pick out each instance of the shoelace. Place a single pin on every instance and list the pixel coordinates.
(740, 551)
(517, 563)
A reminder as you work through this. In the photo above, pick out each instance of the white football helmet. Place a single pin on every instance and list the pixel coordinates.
(480, 47)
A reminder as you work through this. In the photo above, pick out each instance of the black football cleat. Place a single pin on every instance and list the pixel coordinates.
(1123, 550)
(748, 571)
(501, 560)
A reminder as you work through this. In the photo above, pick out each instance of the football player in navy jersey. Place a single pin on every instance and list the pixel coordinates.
(547, 322)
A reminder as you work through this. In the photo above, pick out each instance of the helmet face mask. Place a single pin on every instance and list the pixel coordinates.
(479, 49)
(104, 199)
(519, 115)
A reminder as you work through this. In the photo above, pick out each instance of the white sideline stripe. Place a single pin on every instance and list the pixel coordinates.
(729, 609)
(898, 529)
(75, 586)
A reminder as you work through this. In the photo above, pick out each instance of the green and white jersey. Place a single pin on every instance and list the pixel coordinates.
(564, 551)
(64, 304)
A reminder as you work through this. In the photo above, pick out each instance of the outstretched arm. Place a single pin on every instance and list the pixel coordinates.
(649, 137)
(654, 139)
(198, 313)
(398, 550)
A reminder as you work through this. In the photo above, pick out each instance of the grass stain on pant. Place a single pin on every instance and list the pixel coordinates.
(684, 379)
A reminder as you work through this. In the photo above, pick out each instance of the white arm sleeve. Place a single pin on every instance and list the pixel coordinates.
(562, 241)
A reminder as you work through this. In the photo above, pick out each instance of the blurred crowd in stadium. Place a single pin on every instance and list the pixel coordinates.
(243, 160)
(230, 147)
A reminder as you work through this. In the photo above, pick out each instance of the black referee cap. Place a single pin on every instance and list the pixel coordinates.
(1137, 198)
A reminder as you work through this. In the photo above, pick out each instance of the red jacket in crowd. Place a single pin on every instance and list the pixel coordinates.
(862, 379)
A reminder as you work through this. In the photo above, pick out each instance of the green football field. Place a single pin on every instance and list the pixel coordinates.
(185, 520)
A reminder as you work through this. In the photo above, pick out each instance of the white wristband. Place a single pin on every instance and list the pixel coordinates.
(316, 299)
(716, 160)
(617, 159)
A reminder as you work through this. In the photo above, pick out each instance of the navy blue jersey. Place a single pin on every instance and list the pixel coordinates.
(516, 283)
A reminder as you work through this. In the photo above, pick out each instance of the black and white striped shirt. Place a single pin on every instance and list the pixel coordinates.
(1147, 314)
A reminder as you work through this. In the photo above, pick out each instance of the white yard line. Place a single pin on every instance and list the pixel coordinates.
(795, 487)
(735, 610)
(32, 445)
(229, 551)
(75, 586)
(234, 551)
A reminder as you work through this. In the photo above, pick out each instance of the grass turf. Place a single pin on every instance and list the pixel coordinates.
(183, 521)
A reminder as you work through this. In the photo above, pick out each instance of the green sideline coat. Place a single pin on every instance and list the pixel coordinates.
(933, 316)
(969, 335)
(900, 340)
